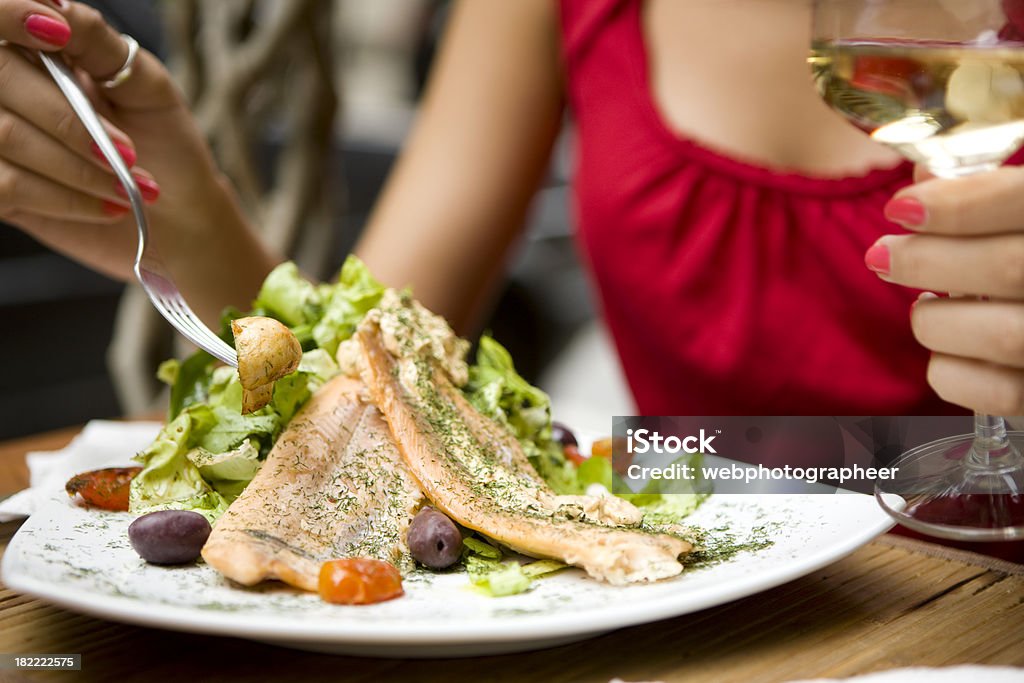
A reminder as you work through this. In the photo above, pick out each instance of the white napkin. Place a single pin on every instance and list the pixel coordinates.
(949, 674)
(101, 444)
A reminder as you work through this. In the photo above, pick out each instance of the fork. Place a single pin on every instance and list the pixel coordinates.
(149, 270)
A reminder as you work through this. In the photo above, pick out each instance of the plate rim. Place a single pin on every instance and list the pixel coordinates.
(350, 630)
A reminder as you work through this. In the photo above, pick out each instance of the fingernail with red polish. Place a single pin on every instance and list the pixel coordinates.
(48, 30)
(114, 209)
(126, 152)
(148, 188)
(877, 258)
(60, 4)
(906, 210)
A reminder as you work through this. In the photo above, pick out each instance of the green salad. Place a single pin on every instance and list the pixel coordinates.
(208, 451)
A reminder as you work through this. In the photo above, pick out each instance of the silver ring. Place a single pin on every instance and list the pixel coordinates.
(125, 72)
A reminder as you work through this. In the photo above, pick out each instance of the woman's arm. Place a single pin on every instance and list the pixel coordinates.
(454, 204)
(459, 194)
(55, 187)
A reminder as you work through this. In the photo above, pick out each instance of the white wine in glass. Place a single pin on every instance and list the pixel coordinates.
(942, 82)
(956, 109)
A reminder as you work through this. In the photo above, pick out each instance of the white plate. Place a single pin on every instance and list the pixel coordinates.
(80, 559)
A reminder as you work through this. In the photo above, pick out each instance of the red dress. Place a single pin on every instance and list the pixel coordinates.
(729, 289)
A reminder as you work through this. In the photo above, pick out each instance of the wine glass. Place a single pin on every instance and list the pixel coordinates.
(942, 82)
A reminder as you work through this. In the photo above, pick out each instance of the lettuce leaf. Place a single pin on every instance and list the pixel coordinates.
(206, 455)
(496, 389)
(209, 451)
(595, 470)
(666, 501)
(498, 577)
(189, 380)
(500, 393)
(480, 548)
(289, 297)
(227, 473)
(168, 480)
(345, 304)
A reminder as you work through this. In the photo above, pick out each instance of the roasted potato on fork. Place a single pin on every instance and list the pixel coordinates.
(267, 351)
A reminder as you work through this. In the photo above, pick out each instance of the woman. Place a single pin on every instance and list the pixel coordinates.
(726, 213)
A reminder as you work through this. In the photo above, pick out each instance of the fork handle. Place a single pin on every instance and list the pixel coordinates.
(81, 105)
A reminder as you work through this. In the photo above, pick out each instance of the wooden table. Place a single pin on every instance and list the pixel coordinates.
(896, 602)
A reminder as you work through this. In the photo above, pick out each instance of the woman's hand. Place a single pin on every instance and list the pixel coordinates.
(50, 171)
(968, 239)
(56, 187)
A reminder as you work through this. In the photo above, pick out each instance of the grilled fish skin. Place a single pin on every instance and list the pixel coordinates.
(474, 471)
(333, 486)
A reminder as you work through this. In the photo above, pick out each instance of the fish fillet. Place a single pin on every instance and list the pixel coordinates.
(333, 486)
(475, 471)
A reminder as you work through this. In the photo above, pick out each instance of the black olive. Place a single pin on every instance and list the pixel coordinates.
(434, 540)
(563, 435)
(169, 536)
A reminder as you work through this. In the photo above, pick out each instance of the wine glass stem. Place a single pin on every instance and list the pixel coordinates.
(990, 440)
(991, 445)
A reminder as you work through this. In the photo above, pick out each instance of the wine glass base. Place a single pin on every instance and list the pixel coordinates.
(949, 494)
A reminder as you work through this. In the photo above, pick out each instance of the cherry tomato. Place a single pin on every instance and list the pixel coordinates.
(602, 448)
(359, 581)
(606, 448)
(106, 489)
(572, 454)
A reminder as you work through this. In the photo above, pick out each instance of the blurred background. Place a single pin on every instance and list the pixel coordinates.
(289, 93)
